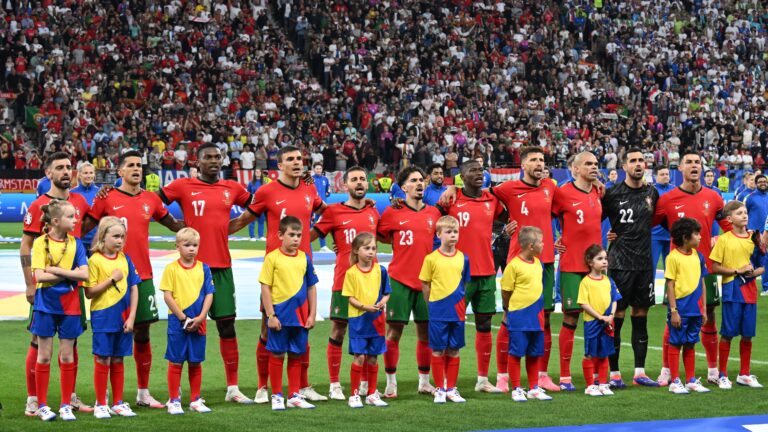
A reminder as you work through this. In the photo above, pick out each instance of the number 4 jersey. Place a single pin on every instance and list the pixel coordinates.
(411, 232)
(581, 213)
(630, 211)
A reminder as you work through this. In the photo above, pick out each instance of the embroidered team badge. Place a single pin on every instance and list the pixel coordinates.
(429, 222)
(27, 218)
(145, 207)
(308, 201)
(226, 197)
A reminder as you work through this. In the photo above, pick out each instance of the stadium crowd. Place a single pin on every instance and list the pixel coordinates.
(382, 84)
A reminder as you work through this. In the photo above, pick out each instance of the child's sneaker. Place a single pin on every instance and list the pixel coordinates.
(235, 395)
(65, 412)
(336, 392)
(677, 387)
(144, 399)
(593, 390)
(375, 400)
(278, 402)
(363, 389)
(311, 395)
(122, 409)
(748, 380)
(538, 394)
(101, 412)
(616, 382)
(46, 413)
(199, 406)
(262, 396)
(605, 389)
(664, 377)
(79, 405)
(439, 396)
(485, 386)
(297, 401)
(518, 395)
(390, 392)
(174, 407)
(644, 380)
(355, 401)
(566, 384)
(545, 382)
(502, 382)
(695, 386)
(454, 396)
(724, 383)
(30, 409)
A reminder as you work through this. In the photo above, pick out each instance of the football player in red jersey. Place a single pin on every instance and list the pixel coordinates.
(288, 196)
(345, 220)
(206, 202)
(692, 199)
(411, 230)
(58, 169)
(136, 208)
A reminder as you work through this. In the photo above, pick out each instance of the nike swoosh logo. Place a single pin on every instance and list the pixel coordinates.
(575, 204)
(622, 202)
(403, 222)
(117, 207)
(522, 195)
(461, 205)
(279, 202)
(196, 193)
(679, 207)
(346, 222)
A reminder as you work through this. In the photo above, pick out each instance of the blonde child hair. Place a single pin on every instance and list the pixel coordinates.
(528, 236)
(446, 222)
(105, 224)
(187, 234)
(361, 240)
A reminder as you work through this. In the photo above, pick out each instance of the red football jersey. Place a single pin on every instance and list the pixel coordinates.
(135, 211)
(345, 223)
(476, 216)
(279, 200)
(206, 208)
(530, 206)
(33, 220)
(412, 233)
(581, 214)
(705, 206)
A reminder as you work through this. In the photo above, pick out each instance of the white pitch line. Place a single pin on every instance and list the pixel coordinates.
(655, 348)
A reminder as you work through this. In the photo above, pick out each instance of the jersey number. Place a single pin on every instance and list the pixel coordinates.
(199, 207)
(681, 215)
(626, 216)
(406, 238)
(579, 216)
(152, 306)
(282, 214)
(350, 234)
(463, 219)
(523, 209)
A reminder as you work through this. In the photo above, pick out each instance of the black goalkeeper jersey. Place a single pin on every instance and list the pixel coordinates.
(630, 212)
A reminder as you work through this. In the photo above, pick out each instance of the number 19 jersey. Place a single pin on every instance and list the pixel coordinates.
(476, 216)
(581, 214)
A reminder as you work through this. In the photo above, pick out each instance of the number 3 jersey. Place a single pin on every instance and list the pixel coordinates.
(630, 211)
(581, 215)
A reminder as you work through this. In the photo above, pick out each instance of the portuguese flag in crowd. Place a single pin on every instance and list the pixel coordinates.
(32, 117)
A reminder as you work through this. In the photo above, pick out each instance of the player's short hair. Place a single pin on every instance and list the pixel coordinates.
(130, 153)
(625, 158)
(432, 167)
(187, 234)
(345, 177)
(683, 229)
(732, 206)
(54, 157)
(205, 147)
(591, 252)
(446, 221)
(528, 236)
(467, 165)
(289, 222)
(406, 172)
(529, 150)
(690, 153)
(284, 150)
(105, 224)
(361, 240)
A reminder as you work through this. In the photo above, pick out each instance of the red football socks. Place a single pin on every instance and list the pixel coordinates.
(725, 351)
(566, 350)
(262, 362)
(673, 360)
(392, 356)
(483, 348)
(355, 372)
(195, 372)
(372, 372)
(29, 369)
(438, 370)
(600, 366)
(117, 379)
(42, 376)
(502, 350)
(333, 353)
(513, 369)
(745, 352)
(276, 374)
(142, 355)
(689, 362)
(294, 375)
(532, 369)
(709, 340)
(100, 378)
(588, 367)
(423, 356)
(174, 380)
(452, 370)
(67, 383)
(544, 361)
(231, 357)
